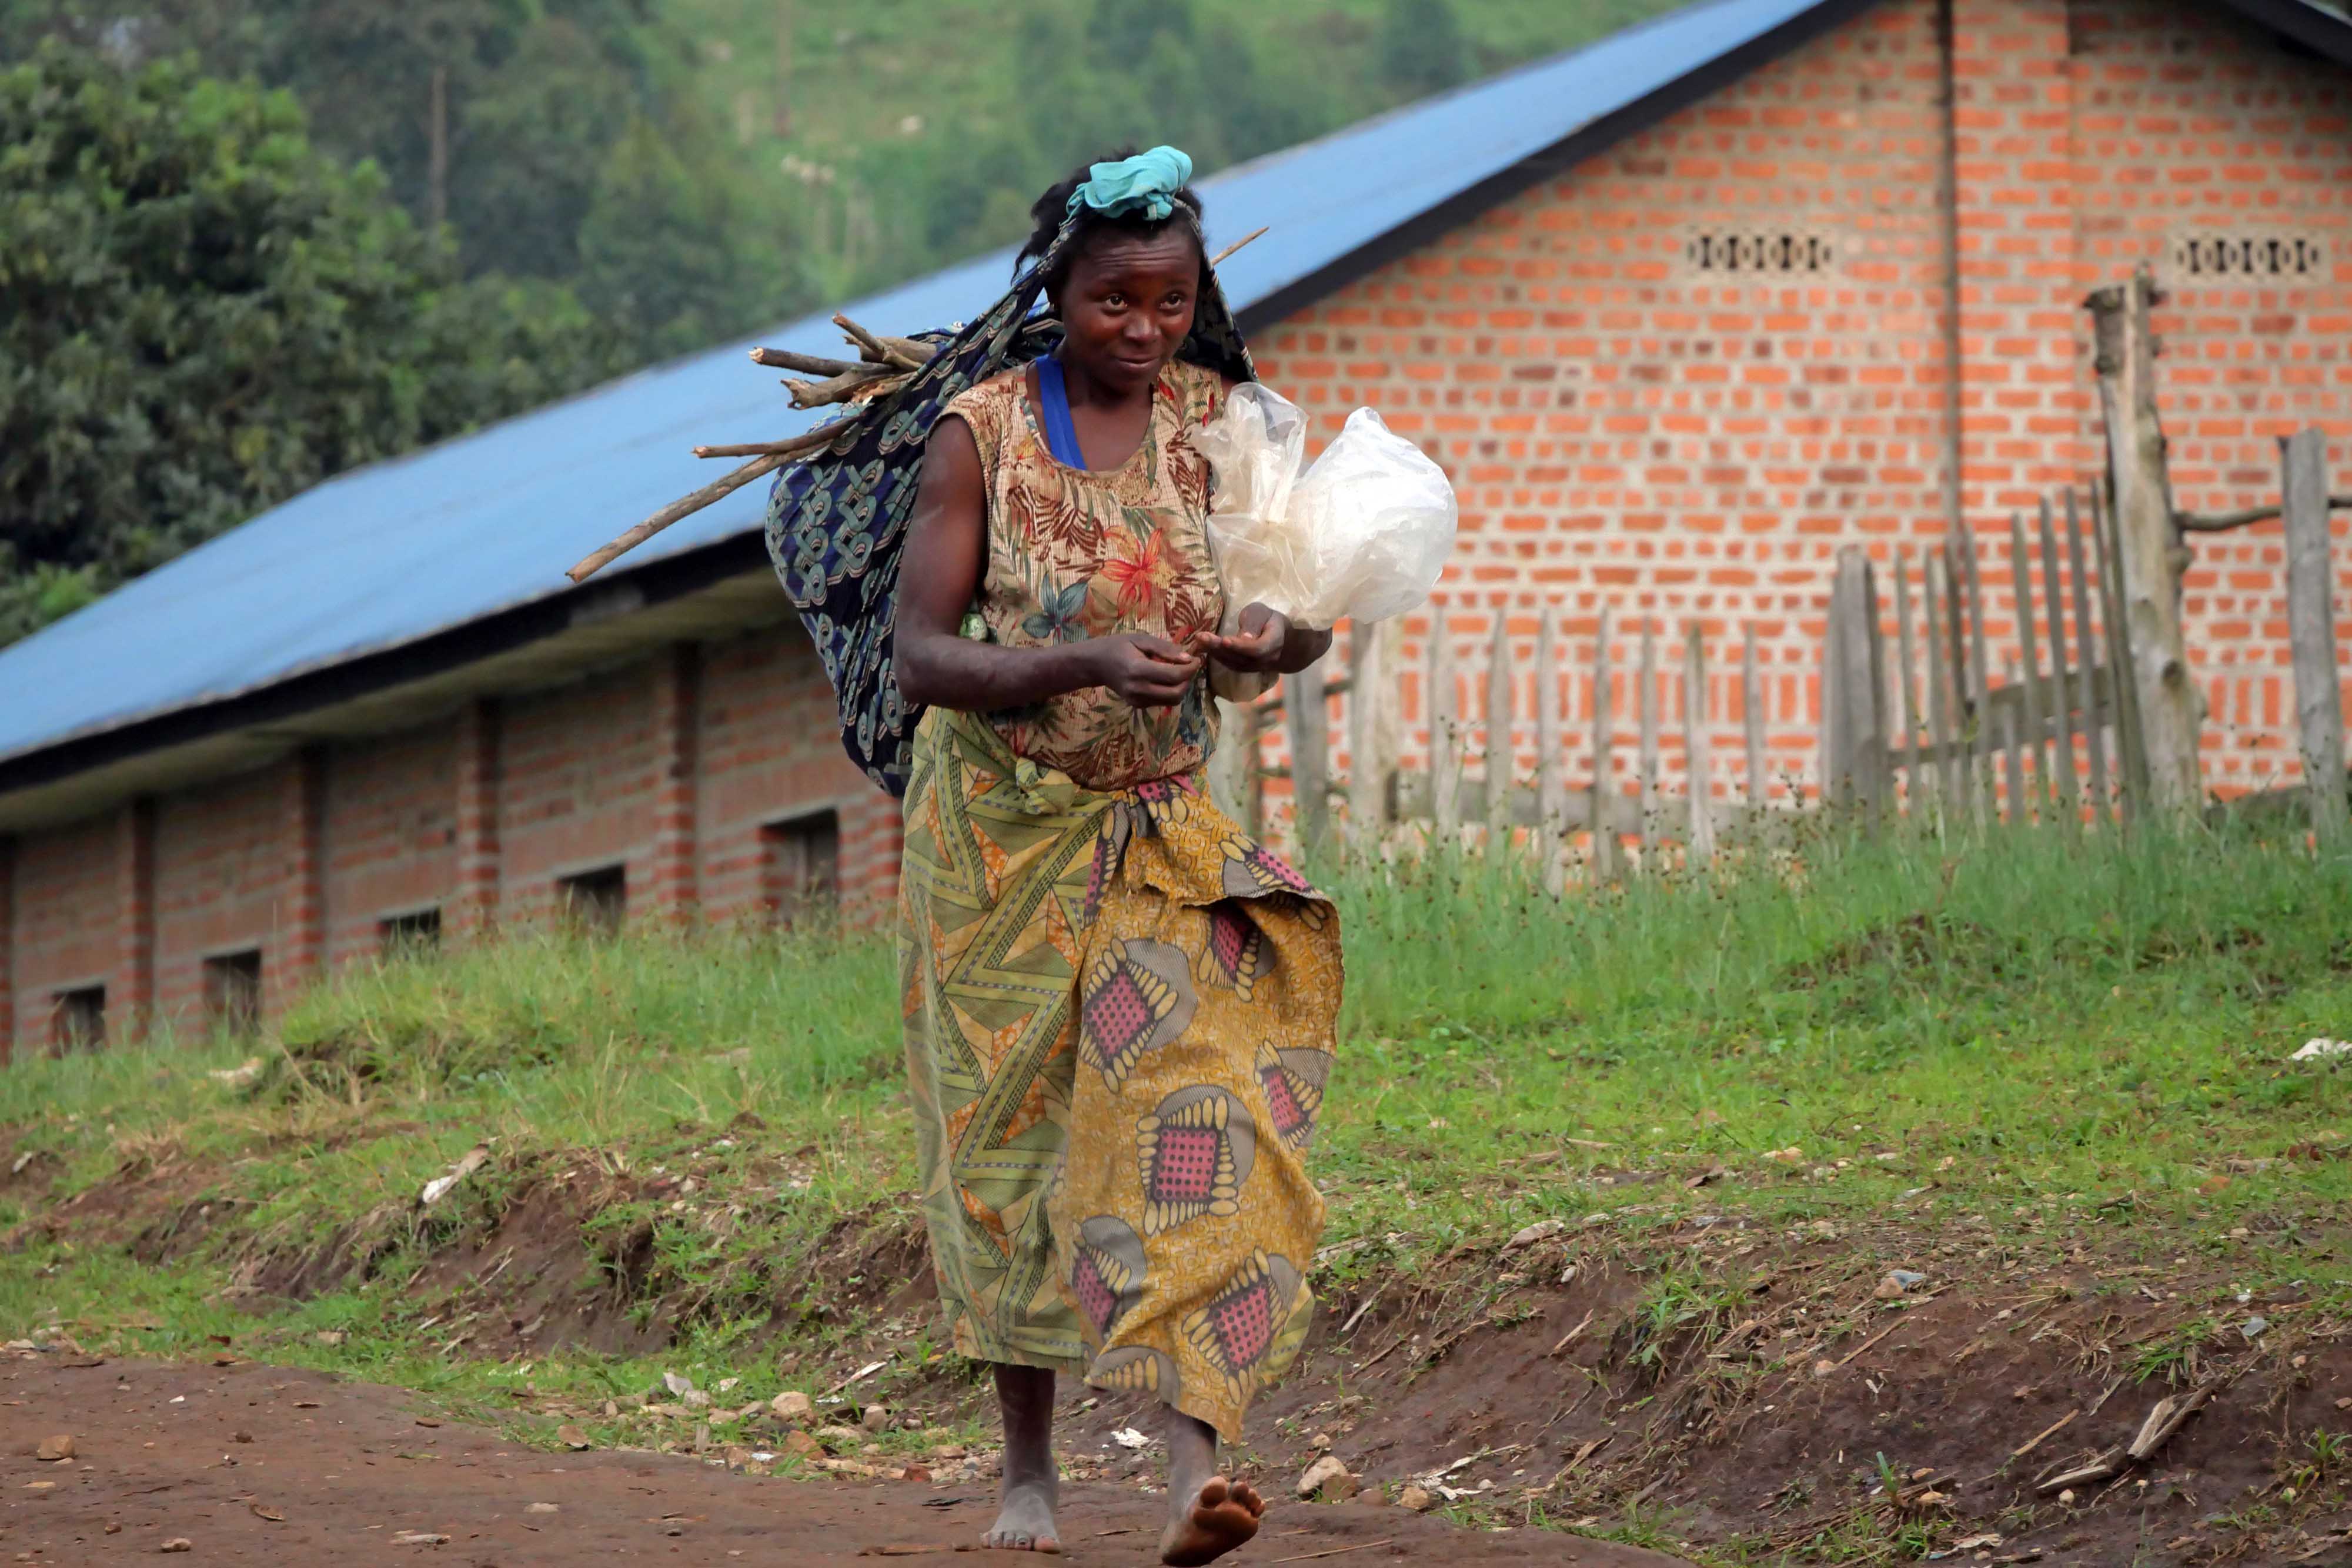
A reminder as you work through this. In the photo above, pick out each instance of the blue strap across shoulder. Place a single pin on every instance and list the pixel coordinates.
(1054, 397)
(838, 519)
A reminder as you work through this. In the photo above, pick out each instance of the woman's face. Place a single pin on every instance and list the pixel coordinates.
(1126, 305)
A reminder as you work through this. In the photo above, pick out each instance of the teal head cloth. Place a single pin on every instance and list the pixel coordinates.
(1145, 184)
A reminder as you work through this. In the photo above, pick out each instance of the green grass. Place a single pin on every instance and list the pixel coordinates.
(2008, 1047)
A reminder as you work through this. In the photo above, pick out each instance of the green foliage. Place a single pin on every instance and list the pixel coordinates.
(446, 211)
(200, 315)
(1423, 46)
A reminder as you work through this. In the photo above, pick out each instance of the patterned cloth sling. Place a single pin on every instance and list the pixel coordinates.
(836, 522)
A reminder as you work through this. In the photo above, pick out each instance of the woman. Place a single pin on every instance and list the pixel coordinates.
(1119, 1009)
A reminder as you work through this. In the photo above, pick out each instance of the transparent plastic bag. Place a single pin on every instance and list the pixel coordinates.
(1361, 534)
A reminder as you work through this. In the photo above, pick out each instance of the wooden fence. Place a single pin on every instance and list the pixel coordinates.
(2054, 732)
(1997, 690)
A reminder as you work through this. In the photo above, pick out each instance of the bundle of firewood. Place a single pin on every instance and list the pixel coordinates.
(882, 367)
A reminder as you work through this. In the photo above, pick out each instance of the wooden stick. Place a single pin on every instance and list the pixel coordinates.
(1906, 675)
(2123, 685)
(2222, 522)
(2086, 657)
(1956, 671)
(864, 382)
(1980, 670)
(1219, 259)
(1335, 1551)
(1552, 787)
(2061, 686)
(876, 350)
(2021, 584)
(1939, 666)
(1367, 784)
(684, 506)
(1499, 749)
(807, 364)
(791, 447)
(2036, 1440)
(1444, 768)
(2012, 760)
(2311, 632)
(1604, 830)
(1696, 761)
(1648, 696)
(1306, 714)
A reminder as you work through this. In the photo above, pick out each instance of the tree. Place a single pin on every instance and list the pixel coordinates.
(201, 314)
(1423, 48)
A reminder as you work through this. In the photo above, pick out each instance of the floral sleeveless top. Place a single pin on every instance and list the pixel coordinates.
(1077, 553)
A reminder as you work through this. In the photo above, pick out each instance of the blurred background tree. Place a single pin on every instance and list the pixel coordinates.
(252, 243)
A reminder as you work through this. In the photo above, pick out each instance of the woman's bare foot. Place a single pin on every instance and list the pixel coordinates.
(1025, 1522)
(1032, 1483)
(1221, 1516)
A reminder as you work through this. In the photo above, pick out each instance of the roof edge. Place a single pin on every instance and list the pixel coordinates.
(2328, 33)
(657, 582)
(1586, 141)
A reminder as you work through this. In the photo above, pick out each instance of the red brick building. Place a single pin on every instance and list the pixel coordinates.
(1682, 315)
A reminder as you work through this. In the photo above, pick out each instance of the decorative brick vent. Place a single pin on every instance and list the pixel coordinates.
(1759, 253)
(2249, 256)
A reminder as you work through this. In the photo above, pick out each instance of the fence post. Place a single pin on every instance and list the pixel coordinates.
(1445, 769)
(2148, 541)
(1943, 678)
(1231, 764)
(2021, 588)
(1907, 678)
(1499, 751)
(2086, 656)
(1371, 760)
(2062, 686)
(1857, 745)
(1551, 785)
(1604, 827)
(2310, 588)
(1307, 714)
(1648, 701)
(1698, 762)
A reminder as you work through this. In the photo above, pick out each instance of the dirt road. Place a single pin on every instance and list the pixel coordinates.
(258, 1464)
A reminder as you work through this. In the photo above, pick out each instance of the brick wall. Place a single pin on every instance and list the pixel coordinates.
(390, 834)
(2186, 115)
(304, 860)
(220, 881)
(1625, 431)
(65, 927)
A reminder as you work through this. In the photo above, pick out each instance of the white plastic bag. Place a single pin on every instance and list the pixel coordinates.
(1361, 534)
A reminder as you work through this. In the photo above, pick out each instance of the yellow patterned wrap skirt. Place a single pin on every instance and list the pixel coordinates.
(1120, 1016)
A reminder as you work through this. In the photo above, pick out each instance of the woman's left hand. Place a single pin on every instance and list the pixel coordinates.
(1265, 643)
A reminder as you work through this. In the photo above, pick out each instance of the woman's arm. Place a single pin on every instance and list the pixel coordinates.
(946, 543)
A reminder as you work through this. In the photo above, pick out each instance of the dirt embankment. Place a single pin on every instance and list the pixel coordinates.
(1786, 1394)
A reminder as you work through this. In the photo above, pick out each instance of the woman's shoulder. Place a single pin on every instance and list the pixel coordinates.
(1197, 392)
(997, 392)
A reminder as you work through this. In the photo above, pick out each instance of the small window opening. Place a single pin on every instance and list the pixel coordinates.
(404, 935)
(800, 865)
(594, 901)
(233, 992)
(78, 1020)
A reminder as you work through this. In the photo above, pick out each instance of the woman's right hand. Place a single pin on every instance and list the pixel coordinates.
(1144, 670)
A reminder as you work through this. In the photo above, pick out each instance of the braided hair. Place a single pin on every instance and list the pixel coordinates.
(1052, 210)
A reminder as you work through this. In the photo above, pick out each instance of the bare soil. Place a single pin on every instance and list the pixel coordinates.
(250, 1463)
(1715, 1384)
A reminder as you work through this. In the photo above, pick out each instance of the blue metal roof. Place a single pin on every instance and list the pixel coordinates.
(398, 550)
